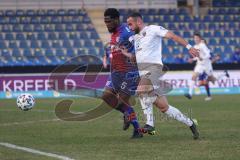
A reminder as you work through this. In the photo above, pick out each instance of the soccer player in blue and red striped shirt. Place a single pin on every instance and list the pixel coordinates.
(123, 79)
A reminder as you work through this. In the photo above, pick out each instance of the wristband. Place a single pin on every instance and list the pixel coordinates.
(188, 46)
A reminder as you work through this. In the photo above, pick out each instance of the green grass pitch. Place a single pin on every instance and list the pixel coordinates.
(104, 139)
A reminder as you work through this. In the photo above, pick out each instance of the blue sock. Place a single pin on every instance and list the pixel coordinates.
(208, 90)
(132, 117)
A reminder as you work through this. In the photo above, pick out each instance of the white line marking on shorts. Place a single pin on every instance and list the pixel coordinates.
(30, 150)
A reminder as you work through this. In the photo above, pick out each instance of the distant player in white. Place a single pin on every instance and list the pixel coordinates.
(203, 66)
(148, 50)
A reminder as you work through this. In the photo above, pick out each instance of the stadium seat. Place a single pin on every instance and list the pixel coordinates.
(212, 42)
(228, 49)
(56, 44)
(13, 45)
(67, 44)
(9, 36)
(71, 52)
(69, 32)
(23, 44)
(30, 12)
(20, 12)
(77, 44)
(27, 28)
(35, 44)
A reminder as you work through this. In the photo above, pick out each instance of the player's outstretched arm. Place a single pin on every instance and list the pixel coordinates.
(194, 52)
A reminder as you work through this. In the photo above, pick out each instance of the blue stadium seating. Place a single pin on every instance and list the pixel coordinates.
(38, 37)
(50, 37)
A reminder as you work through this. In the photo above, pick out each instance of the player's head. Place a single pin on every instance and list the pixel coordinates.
(111, 19)
(135, 22)
(197, 38)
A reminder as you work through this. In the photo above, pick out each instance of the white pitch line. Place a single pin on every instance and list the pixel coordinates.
(35, 110)
(30, 150)
(28, 122)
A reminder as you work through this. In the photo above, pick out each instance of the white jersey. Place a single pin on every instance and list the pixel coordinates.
(148, 44)
(204, 54)
(204, 65)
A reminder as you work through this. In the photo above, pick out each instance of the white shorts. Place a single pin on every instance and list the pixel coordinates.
(154, 73)
(204, 68)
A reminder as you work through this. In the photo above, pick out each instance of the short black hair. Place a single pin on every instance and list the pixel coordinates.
(135, 15)
(198, 34)
(112, 13)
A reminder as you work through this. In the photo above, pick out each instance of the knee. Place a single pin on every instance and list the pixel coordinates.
(164, 108)
(144, 89)
(110, 99)
(104, 97)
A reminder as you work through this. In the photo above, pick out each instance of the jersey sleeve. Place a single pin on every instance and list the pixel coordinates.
(125, 37)
(159, 30)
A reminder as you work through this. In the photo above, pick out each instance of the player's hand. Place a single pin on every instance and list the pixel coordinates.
(194, 52)
(105, 62)
(104, 65)
(125, 52)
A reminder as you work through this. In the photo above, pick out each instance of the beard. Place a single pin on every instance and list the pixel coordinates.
(137, 30)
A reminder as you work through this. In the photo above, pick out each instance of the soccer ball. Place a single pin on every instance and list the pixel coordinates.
(25, 101)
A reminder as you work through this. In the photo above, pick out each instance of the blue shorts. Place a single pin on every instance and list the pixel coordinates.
(203, 76)
(123, 82)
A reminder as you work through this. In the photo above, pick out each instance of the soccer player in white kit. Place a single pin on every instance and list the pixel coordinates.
(148, 52)
(203, 66)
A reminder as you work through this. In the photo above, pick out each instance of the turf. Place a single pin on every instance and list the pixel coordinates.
(104, 139)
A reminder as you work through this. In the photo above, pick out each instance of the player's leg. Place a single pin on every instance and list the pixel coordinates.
(111, 98)
(207, 88)
(129, 114)
(145, 87)
(203, 81)
(123, 85)
(191, 85)
(151, 85)
(162, 103)
(213, 78)
(148, 114)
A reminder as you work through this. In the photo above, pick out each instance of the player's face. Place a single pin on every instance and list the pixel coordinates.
(111, 24)
(197, 39)
(132, 24)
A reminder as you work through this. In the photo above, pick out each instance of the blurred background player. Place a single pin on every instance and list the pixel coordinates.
(203, 69)
(117, 90)
(148, 51)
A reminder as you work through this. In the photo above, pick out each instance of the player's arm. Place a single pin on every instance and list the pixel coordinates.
(131, 56)
(104, 59)
(106, 55)
(170, 35)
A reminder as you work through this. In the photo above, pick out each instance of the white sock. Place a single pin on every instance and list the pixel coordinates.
(191, 87)
(147, 111)
(177, 115)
